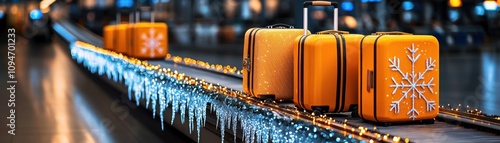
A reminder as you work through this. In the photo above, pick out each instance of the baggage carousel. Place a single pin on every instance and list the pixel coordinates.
(451, 125)
(99, 107)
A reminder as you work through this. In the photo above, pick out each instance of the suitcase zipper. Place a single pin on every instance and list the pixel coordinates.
(247, 60)
(301, 72)
(375, 78)
(360, 104)
(339, 70)
(344, 68)
(252, 50)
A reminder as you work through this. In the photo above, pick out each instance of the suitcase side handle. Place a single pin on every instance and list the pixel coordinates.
(322, 3)
(391, 33)
(280, 26)
(369, 80)
(333, 32)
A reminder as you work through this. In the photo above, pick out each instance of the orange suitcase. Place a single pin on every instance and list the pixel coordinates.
(325, 68)
(399, 77)
(122, 37)
(267, 61)
(108, 36)
(149, 40)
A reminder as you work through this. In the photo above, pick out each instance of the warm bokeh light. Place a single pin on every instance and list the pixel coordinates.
(89, 3)
(271, 7)
(455, 3)
(46, 3)
(230, 8)
(45, 10)
(13, 9)
(318, 15)
(255, 5)
(350, 22)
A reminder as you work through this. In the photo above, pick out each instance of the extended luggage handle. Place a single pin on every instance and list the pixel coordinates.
(280, 26)
(333, 32)
(322, 3)
(391, 33)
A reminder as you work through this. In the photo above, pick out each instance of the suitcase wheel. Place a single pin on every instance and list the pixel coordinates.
(354, 112)
(320, 110)
(267, 97)
(386, 124)
(430, 121)
(317, 112)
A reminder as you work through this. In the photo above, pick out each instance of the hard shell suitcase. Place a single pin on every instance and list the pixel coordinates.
(325, 68)
(399, 77)
(267, 61)
(149, 40)
(109, 37)
(121, 36)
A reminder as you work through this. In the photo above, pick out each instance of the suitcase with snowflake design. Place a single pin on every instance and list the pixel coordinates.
(149, 40)
(268, 61)
(399, 77)
(325, 68)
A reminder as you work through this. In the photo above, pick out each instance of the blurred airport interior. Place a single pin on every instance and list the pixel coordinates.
(219, 25)
(213, 31)
(468, 30)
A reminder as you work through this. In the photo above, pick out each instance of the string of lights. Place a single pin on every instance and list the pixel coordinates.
(228, 70)
(260, 121)
(470, 112)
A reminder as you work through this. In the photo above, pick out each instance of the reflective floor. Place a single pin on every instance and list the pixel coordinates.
(56, 101)
(471, 79)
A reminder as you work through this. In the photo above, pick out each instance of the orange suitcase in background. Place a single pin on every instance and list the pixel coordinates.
(109, 37)
(267, 61)
(325, 68)
(399, 78)
(121, 38)
(149, 40)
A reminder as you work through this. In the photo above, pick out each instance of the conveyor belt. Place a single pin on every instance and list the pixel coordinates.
(438, 132)
(57, 102)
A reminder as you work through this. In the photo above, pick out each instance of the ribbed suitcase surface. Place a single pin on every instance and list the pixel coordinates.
(109, 37)
(325, 72)
(325, 65)
(121, 45)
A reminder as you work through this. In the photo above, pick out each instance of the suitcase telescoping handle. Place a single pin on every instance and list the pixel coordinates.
(322, 3)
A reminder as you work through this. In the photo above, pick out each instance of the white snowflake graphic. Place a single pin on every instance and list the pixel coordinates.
(410, 83)
(151, 42)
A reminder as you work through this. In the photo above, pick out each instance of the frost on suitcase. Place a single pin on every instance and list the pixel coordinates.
(325, 68)
(399, 77)
(267, 61)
